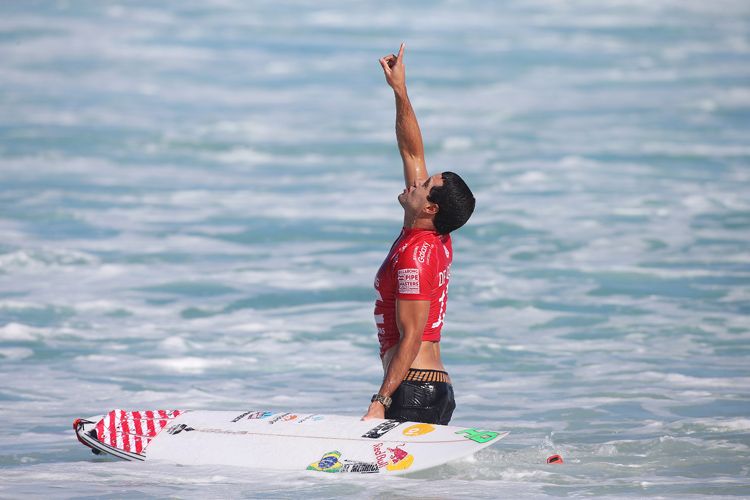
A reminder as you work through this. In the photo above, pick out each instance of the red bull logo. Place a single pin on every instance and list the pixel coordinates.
(394, 458)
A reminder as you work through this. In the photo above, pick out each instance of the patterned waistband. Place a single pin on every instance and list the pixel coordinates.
(417, 375)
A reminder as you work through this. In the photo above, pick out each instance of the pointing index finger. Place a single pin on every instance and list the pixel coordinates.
(401, 51)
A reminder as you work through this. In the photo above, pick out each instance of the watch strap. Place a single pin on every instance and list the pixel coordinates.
(384, 400)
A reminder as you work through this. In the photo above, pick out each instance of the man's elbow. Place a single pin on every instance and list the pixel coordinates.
(411, 344)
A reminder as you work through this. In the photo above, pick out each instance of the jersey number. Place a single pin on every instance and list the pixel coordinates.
(441, 313)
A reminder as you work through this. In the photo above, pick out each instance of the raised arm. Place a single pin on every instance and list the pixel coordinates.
(407, 129)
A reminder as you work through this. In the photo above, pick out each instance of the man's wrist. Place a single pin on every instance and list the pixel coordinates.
(400, 90)
(383, 400)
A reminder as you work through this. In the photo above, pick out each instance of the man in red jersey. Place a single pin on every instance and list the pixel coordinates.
(412, 283)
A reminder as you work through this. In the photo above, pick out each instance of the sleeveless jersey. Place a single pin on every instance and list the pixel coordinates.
(416, 268)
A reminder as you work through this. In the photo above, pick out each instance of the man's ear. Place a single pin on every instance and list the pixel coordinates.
(431, 208)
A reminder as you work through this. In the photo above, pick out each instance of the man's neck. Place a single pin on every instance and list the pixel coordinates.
(412, 222)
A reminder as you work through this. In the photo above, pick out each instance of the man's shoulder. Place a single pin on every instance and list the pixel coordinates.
(426, 249)
(431, 239)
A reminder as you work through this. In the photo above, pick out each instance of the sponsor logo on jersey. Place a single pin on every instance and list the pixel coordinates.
(381, 334)
(423, 253)
(408, 281)
(380, 430)
(392, 458)
(378, 295)
(418, 430)
(331, 462)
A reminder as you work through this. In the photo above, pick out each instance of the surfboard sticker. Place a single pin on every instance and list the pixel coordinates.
(381, 429)
(332, 462)
(280, 440)
(478, 436)
(418, 430)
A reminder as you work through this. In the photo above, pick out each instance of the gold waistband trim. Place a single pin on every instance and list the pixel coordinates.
(417, 375)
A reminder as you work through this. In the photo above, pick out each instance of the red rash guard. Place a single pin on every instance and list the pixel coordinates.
(417, 268)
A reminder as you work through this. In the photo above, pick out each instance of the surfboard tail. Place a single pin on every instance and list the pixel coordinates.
(78, 427)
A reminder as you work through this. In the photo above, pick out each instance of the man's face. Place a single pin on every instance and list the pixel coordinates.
(414, 198)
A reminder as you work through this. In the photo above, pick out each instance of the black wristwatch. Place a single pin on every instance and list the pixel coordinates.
(383, 400)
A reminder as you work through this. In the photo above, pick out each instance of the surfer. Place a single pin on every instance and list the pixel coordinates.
(412, 283)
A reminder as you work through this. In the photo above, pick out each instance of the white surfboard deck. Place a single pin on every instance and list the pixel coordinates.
(280, 440)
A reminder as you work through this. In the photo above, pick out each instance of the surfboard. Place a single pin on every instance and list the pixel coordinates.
(279, 440)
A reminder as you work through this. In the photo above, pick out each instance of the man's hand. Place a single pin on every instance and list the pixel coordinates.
(394, 69)
(376, 410)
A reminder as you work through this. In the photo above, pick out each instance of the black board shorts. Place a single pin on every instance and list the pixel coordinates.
(423, 396)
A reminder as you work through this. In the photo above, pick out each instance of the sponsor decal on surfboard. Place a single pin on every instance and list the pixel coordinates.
(176, 429)
(395, 458)
(328, 463)
(478, 436)
(311, 418)
(331, 462)
(381, 429)
(251, 415)
(418, 430)
(284, 417)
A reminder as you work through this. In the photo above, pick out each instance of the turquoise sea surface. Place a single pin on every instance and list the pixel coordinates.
(195, 197)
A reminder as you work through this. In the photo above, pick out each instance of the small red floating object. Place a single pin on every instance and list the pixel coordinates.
(554, 459)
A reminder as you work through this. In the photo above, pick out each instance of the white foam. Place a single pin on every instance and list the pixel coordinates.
(532, 177)
(738, 424)
(19, 332)
(681, 380)
(44, 259)
(16, 353)
(244, 155)
(514, 474)
(175, 344)
(192, 365)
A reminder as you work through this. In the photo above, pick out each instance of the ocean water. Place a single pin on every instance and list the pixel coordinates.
(195, 197)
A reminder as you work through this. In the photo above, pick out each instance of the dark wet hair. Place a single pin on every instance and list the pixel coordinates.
(455, 203)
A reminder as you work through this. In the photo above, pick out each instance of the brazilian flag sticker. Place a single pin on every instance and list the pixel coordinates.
(329, 463)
